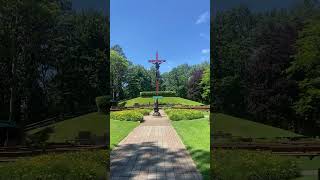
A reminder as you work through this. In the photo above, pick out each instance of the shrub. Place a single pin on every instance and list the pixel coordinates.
(102, 103)
(72, 166)
(181, 114)
(160, 93)
(144, 111)
(127, 115)
(250, 165)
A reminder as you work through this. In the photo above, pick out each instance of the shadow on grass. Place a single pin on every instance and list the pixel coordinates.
(148, 160)
(203, 159)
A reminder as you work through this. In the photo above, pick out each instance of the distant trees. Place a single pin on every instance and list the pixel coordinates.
(128, 80)
(53, 60)
(260, 66)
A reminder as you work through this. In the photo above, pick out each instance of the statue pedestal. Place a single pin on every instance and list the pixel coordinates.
(156, 114)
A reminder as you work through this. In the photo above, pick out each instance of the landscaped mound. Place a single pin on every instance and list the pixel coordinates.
(181, 114)
(129, 115)
(250, 165)
(72, 166)
(69, 129)
(162, 101)
(245, 128)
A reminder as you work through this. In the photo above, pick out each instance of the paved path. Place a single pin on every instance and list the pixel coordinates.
(153, 150)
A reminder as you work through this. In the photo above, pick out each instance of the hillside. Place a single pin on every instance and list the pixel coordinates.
(164, 100)
(246, 128)
(68, 129)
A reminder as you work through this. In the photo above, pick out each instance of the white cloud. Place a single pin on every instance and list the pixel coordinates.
(205, 51)
(205, 36)
(204, 17)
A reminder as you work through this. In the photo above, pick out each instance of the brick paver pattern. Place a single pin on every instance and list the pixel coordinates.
(153, 150)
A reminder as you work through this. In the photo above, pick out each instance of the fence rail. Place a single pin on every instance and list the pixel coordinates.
(289, 147)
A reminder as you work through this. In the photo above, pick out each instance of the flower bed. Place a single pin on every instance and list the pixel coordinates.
(183, 114)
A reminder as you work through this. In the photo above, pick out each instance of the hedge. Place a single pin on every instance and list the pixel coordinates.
(160, 93)
(129, 115)
(102, 103)
(87, 165)
(252, 165)
(182, 114)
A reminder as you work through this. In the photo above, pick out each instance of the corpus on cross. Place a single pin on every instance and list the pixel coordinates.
(157, 63)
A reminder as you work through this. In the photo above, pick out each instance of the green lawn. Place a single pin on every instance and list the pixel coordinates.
(245, 128)
(119, 130)
(68, 129)
(164, 100)
(195, 134)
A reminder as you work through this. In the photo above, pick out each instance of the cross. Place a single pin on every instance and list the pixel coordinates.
(157, 62)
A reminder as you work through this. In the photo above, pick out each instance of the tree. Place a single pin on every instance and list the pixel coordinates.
(118, 69)
(194, 88)
(205, 83)
(306, 70)
(119, 50)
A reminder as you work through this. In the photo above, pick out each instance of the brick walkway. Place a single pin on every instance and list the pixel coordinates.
(153, 150)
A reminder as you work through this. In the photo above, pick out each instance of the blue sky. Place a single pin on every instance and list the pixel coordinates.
(178, 29)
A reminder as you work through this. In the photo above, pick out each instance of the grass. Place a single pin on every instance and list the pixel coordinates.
(68, 129)
(164, 100)
(73, 165)
(195, 134)
(259, 165)
(246, 128)
(119, 130)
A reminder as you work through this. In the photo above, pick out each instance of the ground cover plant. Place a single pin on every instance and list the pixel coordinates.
(183, 114)
(252, 165)
(129, 115)
(86, 165)
(162, 101)
(96, 123)
(195, 134)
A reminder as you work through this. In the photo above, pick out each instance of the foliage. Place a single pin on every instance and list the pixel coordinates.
(239, 164)
(306, 70)
(103, 103)
(194, 88)
(180, 114)
(265, 66)
(162, 101)
(40, 138)
(205, 83)
(73, 166)
(129, 115)
(137, 79)
(160, 93)
(53, 60)
(118, 68)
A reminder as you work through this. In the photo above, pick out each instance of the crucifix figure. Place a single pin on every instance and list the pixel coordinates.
(157, 63)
